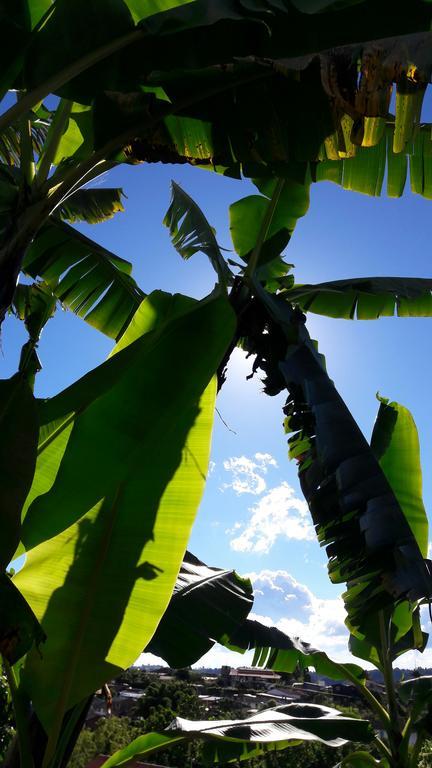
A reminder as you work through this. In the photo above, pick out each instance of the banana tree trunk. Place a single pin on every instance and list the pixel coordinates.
(13, 246)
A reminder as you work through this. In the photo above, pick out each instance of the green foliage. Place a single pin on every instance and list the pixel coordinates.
(366, 298)
(83, 275)
(208, 605)
(6, 717)
(306, 755)
(177, 695)
(271, 729)
(85, 432)
(108, 736)
(263, 90)
(425, 756)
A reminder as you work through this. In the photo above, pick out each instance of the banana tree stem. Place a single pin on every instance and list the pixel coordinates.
(21, 718)
(52, 142)
(373, 702)
(26, 148)
(265, 227)
(388, 672)
(383, 748)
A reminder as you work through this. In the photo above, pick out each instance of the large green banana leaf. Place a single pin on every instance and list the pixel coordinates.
(85, 276)
(220, 34)
(212, 604)
(269, 730)
(124, 456)
(276, 650)
(267, 221)
(207, 605)
(366, 298)
(190, 232)
(92, 205)
(416, 693)
(357, 515)
(395, 444)
(256, 86)
(365, 172)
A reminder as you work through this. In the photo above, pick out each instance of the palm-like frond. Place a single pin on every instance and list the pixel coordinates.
(92, 205)
(357, 516)
(366, 298)
(190, 232)
(271, 729)
(86, 277)
(207, 605)
(365, 170)
(10, 152)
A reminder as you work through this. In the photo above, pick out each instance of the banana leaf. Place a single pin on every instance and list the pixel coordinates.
(86, 277)
(123, 455)
(207, 605)
(91, 205)
(246, 85)
(395, 444)
(268, 219)
(269, 730)
(10, 152)
(366, 171)
(190, 232)
(282, 653)
(366, 298)
(357, 515)
(212, 604)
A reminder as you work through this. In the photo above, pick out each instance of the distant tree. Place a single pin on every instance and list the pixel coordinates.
(137, 677)
(268, 705)
(109, 735)
(177, 697)
(183, 674)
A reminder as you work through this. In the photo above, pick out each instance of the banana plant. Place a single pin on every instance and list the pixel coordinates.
(272, 729)
(134, 89)
(114, 535)
(288, 103)
(365, 500)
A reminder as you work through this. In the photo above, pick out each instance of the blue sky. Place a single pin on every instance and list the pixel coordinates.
(252, 516)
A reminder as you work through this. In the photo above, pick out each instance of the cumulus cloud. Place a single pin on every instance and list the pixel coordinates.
(282, 601)
(247, 474)
(279, 513)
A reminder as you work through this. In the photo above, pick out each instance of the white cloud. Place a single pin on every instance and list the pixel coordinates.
(282, 601)
(429, 552)
(149, 658)
(247, 473)
(292, 607)
(278, 513)
(218, 656)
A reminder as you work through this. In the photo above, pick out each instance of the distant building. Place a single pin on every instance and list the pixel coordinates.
(253, 676)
